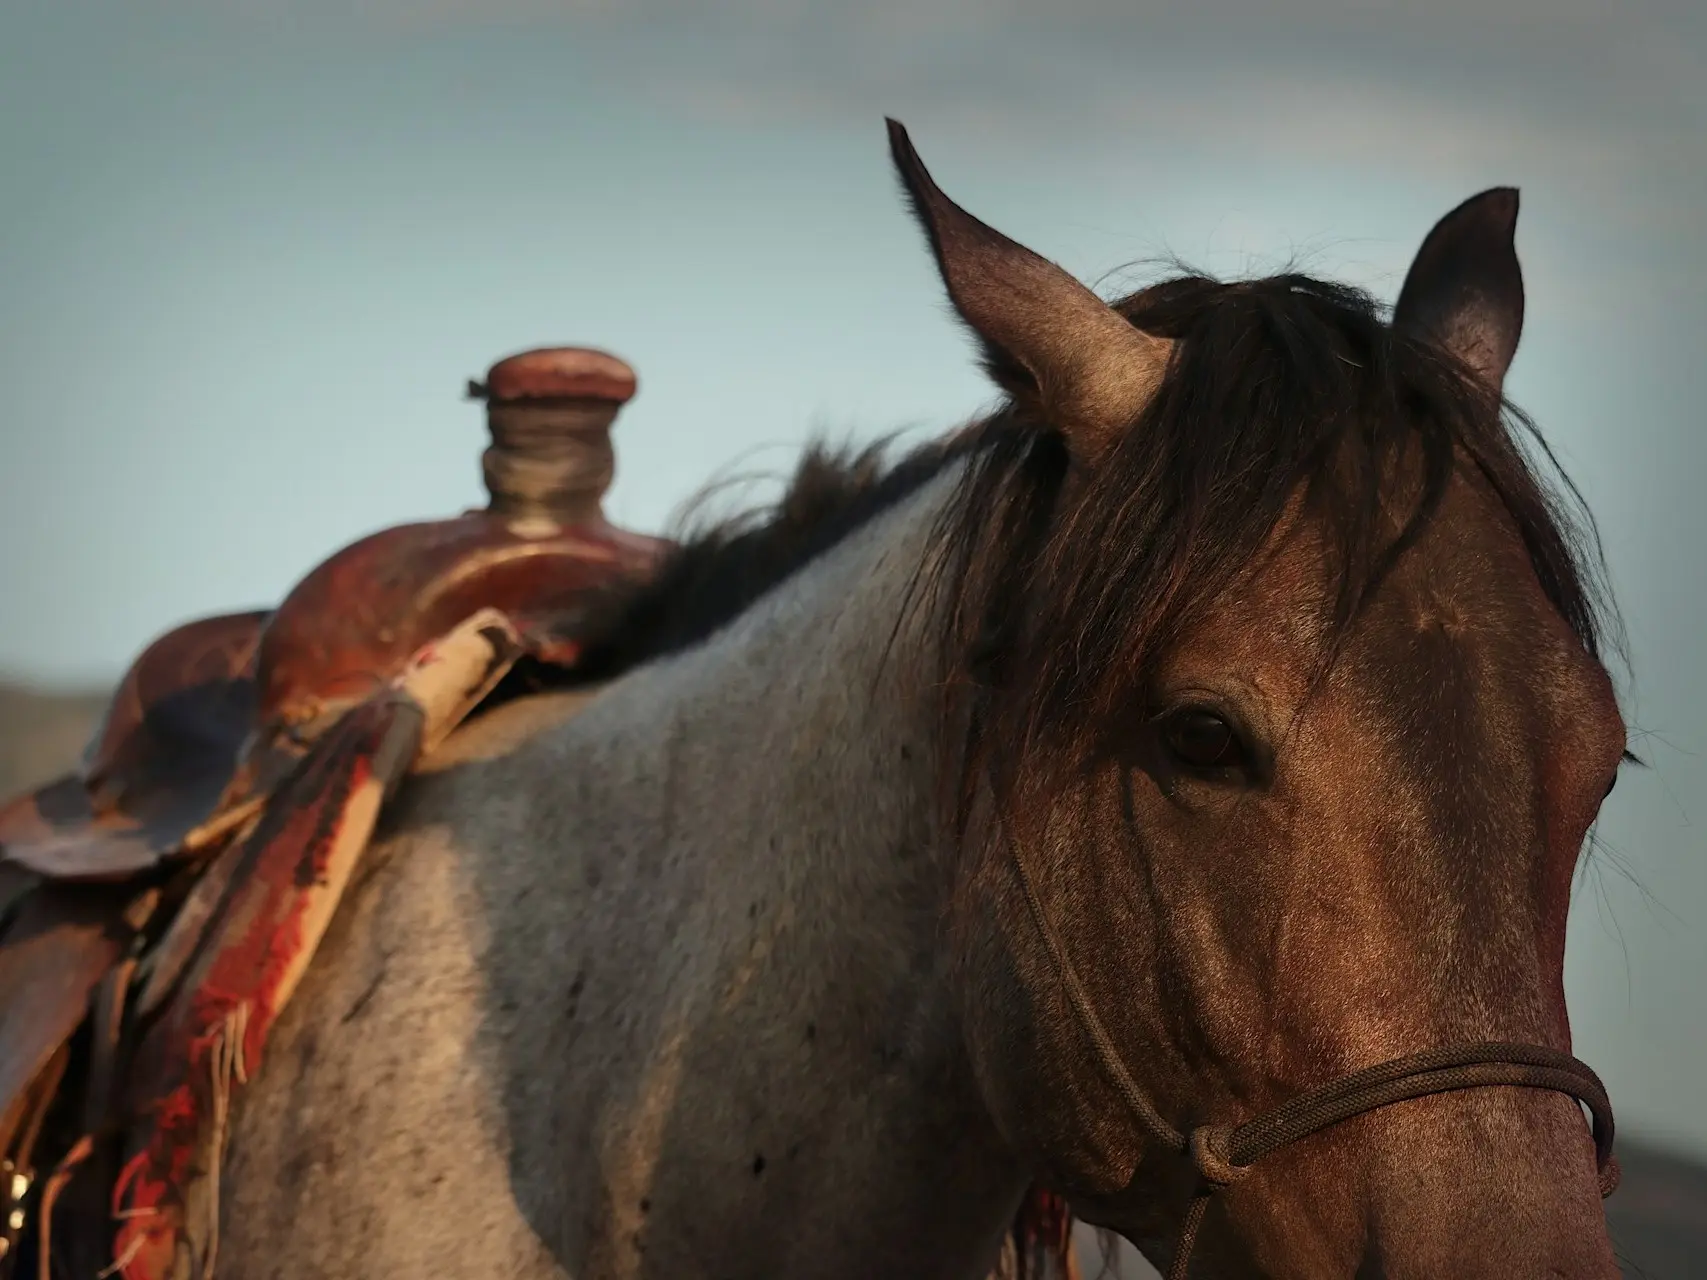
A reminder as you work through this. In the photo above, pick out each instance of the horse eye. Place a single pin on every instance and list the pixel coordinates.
(1202, 740)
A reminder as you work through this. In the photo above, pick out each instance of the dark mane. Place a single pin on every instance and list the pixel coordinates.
(718, 572)
(1277, 385)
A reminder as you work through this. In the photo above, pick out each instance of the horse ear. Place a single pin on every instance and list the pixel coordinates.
(1045, 337)
(1464, 291)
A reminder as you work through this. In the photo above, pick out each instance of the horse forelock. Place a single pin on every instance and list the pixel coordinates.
(1287, 396)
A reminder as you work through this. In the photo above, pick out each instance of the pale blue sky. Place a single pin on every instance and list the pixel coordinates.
(250, 256)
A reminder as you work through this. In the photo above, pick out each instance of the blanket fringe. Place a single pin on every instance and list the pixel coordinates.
(227, 1068)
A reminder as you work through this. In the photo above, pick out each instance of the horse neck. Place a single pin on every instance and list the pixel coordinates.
(784, 776)
(807, 734)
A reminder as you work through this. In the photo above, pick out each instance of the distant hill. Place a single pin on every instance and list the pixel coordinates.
(42, 734)
(1658, 1217)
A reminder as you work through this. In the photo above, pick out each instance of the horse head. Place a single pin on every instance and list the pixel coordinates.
(1278, 672)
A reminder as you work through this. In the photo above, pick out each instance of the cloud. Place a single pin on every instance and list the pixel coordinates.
(1596, 102)
(1618, 60)
(1602, 98)
(1608, 113)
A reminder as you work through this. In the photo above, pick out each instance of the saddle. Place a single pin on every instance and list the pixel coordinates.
(160, 904)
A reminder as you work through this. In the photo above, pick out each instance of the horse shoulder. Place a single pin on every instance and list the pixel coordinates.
(378, 1139)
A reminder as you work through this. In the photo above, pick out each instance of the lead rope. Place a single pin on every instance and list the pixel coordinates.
(1222, 1154)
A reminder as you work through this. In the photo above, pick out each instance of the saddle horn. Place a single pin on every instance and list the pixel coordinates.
(549, 412)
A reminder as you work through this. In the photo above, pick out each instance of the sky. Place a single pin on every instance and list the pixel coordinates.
(251, 253)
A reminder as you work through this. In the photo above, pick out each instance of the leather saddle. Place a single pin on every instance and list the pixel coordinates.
(159, 904)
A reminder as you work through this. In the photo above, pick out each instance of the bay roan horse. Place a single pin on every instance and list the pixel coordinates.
(1221, 716)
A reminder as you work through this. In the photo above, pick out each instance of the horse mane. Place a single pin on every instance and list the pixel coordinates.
(716, 572)
(1278, 385)
(1279, 388)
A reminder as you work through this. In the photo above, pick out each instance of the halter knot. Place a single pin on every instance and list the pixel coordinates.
(1208, 1146)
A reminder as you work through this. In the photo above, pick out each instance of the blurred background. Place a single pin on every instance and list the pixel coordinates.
(252, 250)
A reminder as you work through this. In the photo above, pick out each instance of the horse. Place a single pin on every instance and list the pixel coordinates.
(1213, 724)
